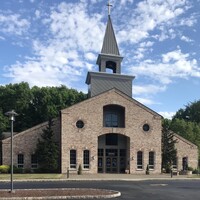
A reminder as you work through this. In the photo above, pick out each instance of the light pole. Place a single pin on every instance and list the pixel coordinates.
(11, 114)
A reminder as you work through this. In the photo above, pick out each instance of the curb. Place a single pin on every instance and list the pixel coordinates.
(102, 196)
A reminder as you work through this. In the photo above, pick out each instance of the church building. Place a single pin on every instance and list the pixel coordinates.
(110, 132)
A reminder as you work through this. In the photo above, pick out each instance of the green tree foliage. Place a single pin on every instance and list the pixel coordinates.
(34, 105)
(168, 146)
(190, 113)
(47, 150)
(186, 123)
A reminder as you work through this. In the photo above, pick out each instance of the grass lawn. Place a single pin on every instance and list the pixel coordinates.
(31, 176)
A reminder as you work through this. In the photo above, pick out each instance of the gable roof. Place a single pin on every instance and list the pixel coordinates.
(121, 94)
(184, 140)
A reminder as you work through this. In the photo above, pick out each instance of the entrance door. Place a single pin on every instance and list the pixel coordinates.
(111, 165)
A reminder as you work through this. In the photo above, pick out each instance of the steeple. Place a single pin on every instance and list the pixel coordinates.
(109, 57)
(110, 46)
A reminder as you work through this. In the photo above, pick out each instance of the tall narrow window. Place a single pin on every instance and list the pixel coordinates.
(73, 159)
(175, 163)
(151, 160)
(86, 159)
(20, 161)
(34, 161)
(139, 160)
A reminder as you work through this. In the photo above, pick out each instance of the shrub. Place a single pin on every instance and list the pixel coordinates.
(190, 169)
(79, 170)
(4, 169)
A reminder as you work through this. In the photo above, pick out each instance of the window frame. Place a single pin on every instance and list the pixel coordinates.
(73, 159)
(151, 160)
(114, 116)
(140, 160)
(86, 159)
(20, 160)
(34, 161)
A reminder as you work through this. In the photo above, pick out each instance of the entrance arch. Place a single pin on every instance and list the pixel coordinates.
(113, 153)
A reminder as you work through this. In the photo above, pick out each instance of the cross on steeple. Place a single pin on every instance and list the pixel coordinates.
(109, 7)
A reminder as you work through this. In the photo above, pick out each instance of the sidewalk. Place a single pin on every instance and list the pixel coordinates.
(128, 177)
(109, 177)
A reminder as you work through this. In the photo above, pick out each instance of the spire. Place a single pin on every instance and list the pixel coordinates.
(109, 43)
(109, 58)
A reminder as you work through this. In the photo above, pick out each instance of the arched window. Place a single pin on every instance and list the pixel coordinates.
(114, 116)
(139, 160)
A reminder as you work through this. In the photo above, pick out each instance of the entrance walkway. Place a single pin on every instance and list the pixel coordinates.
(126, 177)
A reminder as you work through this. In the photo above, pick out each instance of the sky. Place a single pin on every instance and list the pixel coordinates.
(56, 42)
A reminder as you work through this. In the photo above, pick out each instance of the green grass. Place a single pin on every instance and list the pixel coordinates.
(31, 176)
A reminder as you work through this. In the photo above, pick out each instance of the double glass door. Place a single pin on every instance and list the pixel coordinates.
(111, 165)
(111, 160)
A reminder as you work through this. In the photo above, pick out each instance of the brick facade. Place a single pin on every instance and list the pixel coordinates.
(25, 143)
(91, 135)
(91, 113)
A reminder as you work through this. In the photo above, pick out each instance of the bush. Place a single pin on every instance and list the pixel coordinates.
(4, 169)
(190, 169)
(196, 171)
(17, 170)
(79, 170)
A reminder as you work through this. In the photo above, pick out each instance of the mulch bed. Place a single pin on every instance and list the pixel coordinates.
(55, 192)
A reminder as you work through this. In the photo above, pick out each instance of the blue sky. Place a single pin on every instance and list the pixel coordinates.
(54, 42)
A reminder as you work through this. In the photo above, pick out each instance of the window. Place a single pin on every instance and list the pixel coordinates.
(174, 163)
(151, 160)
(79, 124)
(112, 139)
(20, 161)
(146, 127)
(114, 116)
(139, 160)
(111, 119)
(34, 161)
(86, 159)
(73, 159)
(100, 152)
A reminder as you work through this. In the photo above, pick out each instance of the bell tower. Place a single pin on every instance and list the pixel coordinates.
(109, 58)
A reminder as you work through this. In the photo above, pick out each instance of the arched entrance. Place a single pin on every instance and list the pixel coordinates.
(113, 153)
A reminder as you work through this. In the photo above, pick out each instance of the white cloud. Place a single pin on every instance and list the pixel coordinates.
(59, 59)
(90, 56)
(13, 24)
(174, 64)
(123, 2)
(155, 15)
(186, 39)
(37, 14)
(2, 38)
(167, 115)
(147, 89)
(145, 101)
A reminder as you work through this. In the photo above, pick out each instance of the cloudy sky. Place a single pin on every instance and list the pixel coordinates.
(54, 42)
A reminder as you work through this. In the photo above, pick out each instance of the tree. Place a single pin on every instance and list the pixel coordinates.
(190, 113)
(168, 146)
(47, 150)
